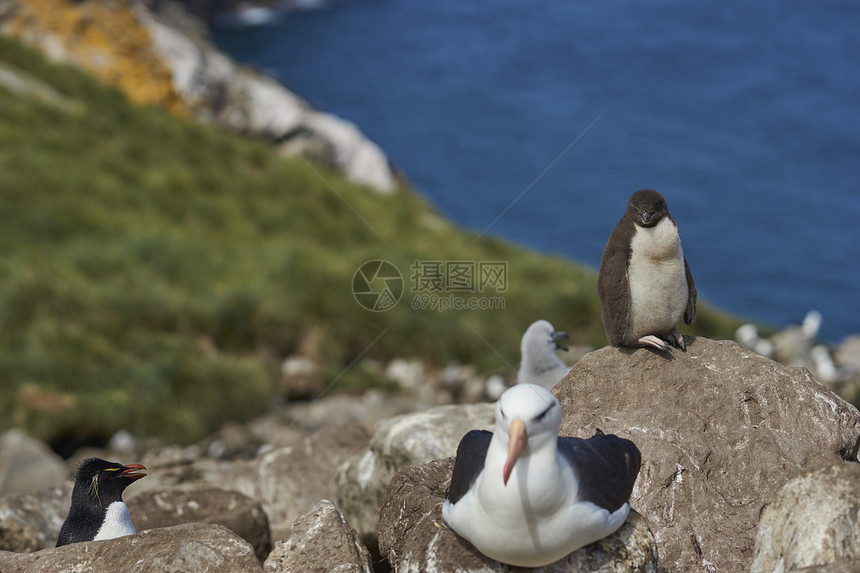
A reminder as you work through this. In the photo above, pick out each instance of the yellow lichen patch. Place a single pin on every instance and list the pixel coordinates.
(103, 37)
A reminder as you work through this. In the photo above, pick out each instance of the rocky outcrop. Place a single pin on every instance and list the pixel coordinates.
(240, 514)
(846, 358)
(188, 548)
(812, 522)
(27, 464)
(156, 63)
(407, 440)
(414, 537)
(287, 481)
(321, 541)
(32, 521)
(837, 367)
(720, 429)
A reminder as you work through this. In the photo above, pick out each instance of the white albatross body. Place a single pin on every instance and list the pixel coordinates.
(543, 512)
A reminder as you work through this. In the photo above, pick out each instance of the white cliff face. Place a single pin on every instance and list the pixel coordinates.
(219, 90)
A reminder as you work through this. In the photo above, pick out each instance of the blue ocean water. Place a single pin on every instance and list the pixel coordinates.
(745, 115)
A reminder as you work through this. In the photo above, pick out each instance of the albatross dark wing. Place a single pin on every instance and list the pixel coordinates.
(606, 466)
(471, 454)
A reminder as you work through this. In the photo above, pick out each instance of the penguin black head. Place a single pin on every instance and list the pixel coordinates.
(101, 482)
(647, 208)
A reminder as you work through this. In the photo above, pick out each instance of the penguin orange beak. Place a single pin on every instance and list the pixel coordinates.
(133, 471)
(518, 439)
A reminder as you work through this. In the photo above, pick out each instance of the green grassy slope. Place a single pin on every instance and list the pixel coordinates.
(155, 270)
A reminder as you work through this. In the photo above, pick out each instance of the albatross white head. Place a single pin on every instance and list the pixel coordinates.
(527, 418)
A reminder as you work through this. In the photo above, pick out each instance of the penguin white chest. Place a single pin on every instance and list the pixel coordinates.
(657, 279)
(117, 522)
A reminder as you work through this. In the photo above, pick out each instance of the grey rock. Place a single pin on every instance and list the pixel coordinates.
(293, 479)
(187, 548)
(232, 441)
(27, 464)
(32, 521)
(410, 374)
(720, 429)
(414, 537)
(405, 440)
(852, 566)
(812, 521)
(237, 512)
(320, 541)
(847, 358)
(287, 481)
(847, 353)
(367, 409)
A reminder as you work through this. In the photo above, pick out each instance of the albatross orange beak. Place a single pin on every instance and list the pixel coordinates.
(518, 439)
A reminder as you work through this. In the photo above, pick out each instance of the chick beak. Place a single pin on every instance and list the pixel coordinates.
(518, 439)
(558, 335)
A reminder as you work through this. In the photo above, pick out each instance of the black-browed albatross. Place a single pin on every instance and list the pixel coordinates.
(526, 497)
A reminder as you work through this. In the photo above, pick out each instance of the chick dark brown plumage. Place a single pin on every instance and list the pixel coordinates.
(645, 284)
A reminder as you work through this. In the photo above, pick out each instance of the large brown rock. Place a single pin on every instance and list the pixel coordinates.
(406, 440)
(187, 548)
(32, 521)
(812, 521)
(414, 537)
(287, 481)
(321, 541)
(720, 429)
(293, 479)
(239, 513)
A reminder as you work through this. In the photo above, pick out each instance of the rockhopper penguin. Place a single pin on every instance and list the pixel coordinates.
(645, 285)
(97, 510)
(524, 496)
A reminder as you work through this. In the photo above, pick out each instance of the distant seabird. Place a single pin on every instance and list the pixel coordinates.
(526, 497)
(539, 363)
(645, 284)
(97, 510)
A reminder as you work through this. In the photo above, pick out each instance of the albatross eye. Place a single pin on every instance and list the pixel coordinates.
(543, 414)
